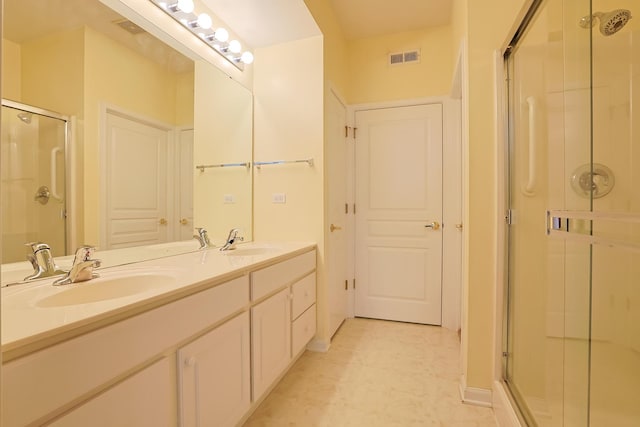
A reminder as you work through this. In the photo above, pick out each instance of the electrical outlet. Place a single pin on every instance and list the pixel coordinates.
(279, 198)
(229, 199)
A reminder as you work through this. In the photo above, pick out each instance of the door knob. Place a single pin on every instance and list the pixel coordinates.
(184, 221)
(163, 221)
(334, 228)
(434, 225)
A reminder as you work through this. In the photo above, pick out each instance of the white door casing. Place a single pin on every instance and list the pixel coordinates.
(399, 210)
(337, 223)
(184, 194)
(135, 174)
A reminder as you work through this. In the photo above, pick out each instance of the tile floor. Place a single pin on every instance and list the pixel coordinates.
(376, 373)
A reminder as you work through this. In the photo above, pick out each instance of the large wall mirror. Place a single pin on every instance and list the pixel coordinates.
(139, 117)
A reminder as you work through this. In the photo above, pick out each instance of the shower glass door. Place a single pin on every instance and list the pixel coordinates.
(572, 355)
(33, 144)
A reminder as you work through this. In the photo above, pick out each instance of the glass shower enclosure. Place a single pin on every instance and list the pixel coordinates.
(572, 316)
(34, 147)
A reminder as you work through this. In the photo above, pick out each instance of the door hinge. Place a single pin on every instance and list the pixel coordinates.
(346, 284)
(509, 217)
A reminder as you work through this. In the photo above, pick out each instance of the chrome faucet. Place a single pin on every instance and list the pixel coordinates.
(82, 268)
(42, 261)
(202, 238)
(232, 239)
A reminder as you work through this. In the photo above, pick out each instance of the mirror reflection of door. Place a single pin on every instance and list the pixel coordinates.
(135, 177)
(33, 178)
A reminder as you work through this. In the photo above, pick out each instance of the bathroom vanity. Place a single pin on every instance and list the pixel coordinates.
(191, 339)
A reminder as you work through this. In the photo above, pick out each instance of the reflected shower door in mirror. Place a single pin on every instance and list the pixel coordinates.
(132, 98)
(33, 179)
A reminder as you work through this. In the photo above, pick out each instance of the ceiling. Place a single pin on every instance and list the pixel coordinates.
(368, 18)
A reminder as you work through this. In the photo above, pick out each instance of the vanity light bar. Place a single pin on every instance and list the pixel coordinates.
(201, 25)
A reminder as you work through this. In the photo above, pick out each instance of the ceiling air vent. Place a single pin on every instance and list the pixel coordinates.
(412, 56)
(129, 26)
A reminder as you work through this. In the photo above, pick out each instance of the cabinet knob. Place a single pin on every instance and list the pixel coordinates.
(184, 221)
(163, 221)
(190, 361)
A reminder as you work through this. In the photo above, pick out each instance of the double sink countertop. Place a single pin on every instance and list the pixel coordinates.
(37, 314)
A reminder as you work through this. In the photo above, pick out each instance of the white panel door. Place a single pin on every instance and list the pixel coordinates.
(136, 183)
(336, 120)
(399, 211)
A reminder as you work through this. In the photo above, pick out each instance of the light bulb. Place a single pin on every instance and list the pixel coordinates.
(247, 57)
(222, 35)
(235, 46)
(204, 21)
(186, 6)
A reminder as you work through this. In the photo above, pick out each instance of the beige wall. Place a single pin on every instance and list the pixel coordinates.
(11, 70)
(371, 79)
(487, 27)
(222, 134)
(288, 125)
(336, 55)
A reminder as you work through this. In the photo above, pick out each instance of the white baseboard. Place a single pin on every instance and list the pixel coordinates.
(475, 396)
(502, 407)
(318, 345)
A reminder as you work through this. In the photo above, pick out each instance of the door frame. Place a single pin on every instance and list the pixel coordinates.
(452, 196)
(105, 109)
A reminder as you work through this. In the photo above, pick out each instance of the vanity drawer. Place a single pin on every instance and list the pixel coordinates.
(304, 294)
(270, 279)
(302, 330)
(83, 364)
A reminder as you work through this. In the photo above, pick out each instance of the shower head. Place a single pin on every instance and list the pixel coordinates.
(610, 22)
(25, 117)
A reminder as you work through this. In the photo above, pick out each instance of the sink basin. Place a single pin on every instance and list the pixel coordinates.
(107, 288)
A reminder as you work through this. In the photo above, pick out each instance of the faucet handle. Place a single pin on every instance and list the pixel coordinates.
(84, 252)
(36, 246)
(202, 237)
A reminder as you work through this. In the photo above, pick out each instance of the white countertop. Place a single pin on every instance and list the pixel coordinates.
(32, 312)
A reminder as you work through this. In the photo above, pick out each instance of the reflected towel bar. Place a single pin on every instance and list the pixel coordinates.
(224, 165)
(282, 162)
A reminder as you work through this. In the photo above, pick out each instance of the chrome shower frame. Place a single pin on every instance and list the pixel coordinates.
(30, 109)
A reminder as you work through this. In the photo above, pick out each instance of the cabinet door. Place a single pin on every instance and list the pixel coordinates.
(271, 340)
(214, 377)
(144, 399)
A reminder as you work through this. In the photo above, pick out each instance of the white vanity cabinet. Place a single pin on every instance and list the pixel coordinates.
(277, 291)
(144, 399)
(214, 381)
(303, 312)
(271, 340)
(205, 357)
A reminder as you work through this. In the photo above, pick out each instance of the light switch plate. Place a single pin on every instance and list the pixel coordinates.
(279, 198)
(229, 199)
